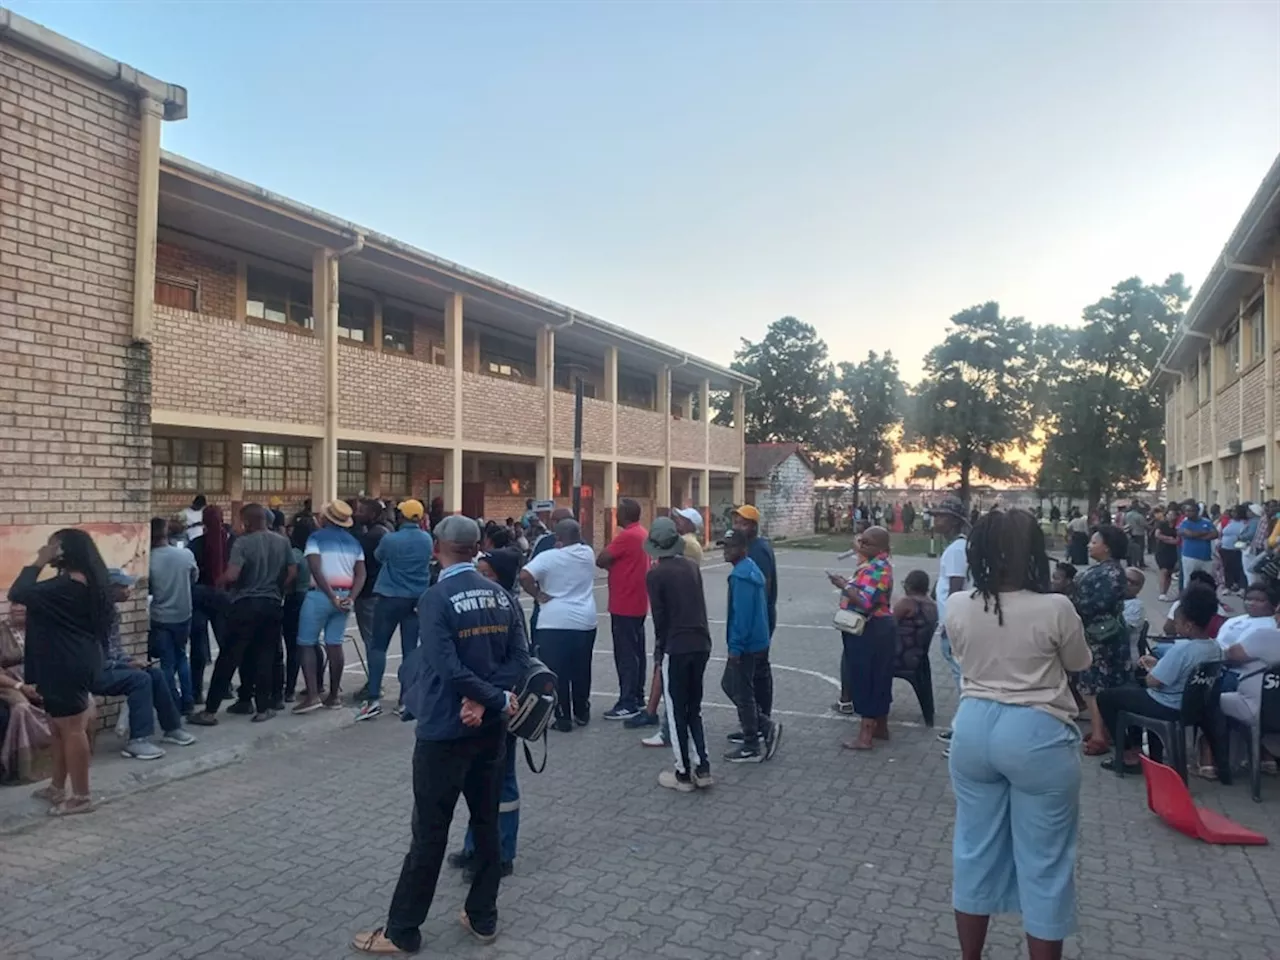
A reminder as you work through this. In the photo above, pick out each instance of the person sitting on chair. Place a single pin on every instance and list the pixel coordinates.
(1160, 693)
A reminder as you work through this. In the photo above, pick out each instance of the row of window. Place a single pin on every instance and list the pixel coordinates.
(1200, 380)
(183, 465)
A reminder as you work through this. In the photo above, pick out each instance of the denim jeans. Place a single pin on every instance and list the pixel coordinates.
(168, 644)
(508, 809)
(390, 614)
(147, 694)
(944, 645)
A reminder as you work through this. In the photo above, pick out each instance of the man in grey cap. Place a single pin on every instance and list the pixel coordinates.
(458, 685)
(950, 520)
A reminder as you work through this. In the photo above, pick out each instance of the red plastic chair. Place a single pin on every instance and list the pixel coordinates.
(1170, 800)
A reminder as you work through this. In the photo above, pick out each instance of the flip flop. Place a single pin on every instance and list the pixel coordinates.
(49, 795)
(1095, 748)
(71, 806)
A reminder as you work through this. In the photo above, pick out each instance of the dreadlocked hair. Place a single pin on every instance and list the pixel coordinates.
(1006, 553)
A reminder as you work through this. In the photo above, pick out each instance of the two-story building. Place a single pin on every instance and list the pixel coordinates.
(1218, 375)
(297, 355)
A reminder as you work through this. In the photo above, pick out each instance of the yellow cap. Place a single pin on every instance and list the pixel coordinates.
(411, 509)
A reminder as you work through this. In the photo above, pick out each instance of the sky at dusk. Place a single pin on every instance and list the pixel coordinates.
(694, 171)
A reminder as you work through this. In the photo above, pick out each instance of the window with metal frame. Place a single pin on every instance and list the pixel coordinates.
(278, 299)
(353, 472)
(395, 474)
(188, 465)
(355, 318)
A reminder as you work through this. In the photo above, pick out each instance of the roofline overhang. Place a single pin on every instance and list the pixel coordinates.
(22, 32)
(536, 307)
(1234, 257)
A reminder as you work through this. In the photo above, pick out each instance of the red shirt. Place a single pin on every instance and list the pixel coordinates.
(628, 594)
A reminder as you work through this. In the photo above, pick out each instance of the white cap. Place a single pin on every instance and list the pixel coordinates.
(692, 514)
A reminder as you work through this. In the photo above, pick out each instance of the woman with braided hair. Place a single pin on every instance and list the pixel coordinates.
(1015, 750)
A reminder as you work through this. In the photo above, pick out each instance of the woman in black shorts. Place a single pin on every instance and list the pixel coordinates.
(68, 621)
(1166, 548)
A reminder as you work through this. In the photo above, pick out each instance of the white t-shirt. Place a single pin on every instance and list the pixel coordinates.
(954, 563)
(568, 576)
(1234, 629)
(1134, 611)
(195, 523)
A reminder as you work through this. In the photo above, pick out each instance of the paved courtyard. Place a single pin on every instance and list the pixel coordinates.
(818, 854)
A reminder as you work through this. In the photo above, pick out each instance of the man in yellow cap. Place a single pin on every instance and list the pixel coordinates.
(404, 557)
(746, 519)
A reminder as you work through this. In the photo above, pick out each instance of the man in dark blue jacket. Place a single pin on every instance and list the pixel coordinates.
(748, 677)
(458, 686)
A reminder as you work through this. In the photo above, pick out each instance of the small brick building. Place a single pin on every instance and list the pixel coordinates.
(780, 484)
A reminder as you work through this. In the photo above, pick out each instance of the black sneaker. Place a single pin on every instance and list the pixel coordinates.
(621, 712)
(737, 737)
(745, 754)
(460, 859)
(583, 718)
(277, 704)
(771, 740)
(242, 708)
(641, 719)
(564, 725)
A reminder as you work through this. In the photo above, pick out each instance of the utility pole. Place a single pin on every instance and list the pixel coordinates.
(577, 448)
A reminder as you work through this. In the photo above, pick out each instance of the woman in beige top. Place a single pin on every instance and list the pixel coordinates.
(1015, 752)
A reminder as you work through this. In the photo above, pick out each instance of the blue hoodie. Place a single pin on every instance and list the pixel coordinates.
(747, 622)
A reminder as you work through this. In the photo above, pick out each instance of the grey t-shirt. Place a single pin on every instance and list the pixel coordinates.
(263, 558)
(173, 570)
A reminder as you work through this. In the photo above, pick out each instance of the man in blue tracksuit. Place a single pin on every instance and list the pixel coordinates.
(458, 686)
(747, 674)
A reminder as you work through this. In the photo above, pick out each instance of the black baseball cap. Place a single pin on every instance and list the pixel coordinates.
(734, 538)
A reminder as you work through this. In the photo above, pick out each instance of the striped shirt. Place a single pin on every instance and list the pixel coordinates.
(339, 552)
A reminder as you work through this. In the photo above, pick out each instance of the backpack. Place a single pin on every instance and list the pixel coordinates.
(535, 706)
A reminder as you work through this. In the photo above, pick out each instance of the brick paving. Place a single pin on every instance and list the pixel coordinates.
(819, 854)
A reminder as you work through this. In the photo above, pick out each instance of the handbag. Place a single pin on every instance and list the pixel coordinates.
(1268, 566)
(849, 621)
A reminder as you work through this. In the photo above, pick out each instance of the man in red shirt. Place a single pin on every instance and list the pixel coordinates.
(628, 565)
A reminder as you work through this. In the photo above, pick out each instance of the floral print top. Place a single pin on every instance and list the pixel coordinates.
(1100, 592)
(870, 589)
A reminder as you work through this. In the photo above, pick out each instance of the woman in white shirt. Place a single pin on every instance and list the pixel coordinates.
(563, 582)
(1015, 750)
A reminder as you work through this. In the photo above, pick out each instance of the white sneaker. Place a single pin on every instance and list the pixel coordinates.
(1163, 598)
(655, 741)
(141, 750)
(180, 737)
(668, 779)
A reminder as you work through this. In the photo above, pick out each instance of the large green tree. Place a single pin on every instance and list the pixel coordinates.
(866, 409)
(976, 406)
(1103, 426)
(795, 384)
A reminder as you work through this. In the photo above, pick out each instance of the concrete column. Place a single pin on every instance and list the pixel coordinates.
(1270, 316)
(453, 480)
(663, 498)
(704, 502)
(320, 484)
(373, 472)
(546, 372)
(610, 499)
(740, 424)
(453, 360)
(611, 390)
(324, 305)
(151, 114)
(704, 405)
(233, 465)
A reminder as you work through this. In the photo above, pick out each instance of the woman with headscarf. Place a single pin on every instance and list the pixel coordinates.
(1015, 758)
(1099, 599)
(868, 656)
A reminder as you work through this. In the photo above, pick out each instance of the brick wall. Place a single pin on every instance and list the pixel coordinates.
(785, 499)
(641, 433)
(215, 277)
(688, 441)
(726, 447)
(217, 366)
(393, 393)
(1255, 401)
(597, 424)
(1228, 414)
(75, 439)
(1193, 436)
(501, 411)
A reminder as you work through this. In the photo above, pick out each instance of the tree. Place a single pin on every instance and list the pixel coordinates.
(925, 471)
(866, 407)
(1103, 426)
(976, 405)
(795, 384)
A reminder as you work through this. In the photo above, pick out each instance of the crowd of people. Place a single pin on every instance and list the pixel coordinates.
(1035, 648)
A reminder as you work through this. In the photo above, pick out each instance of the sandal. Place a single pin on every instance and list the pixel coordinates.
(1206, 771)
(71, 806)
(376, 941)
(1095, 748)
(1110, 764)
(50, 795)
